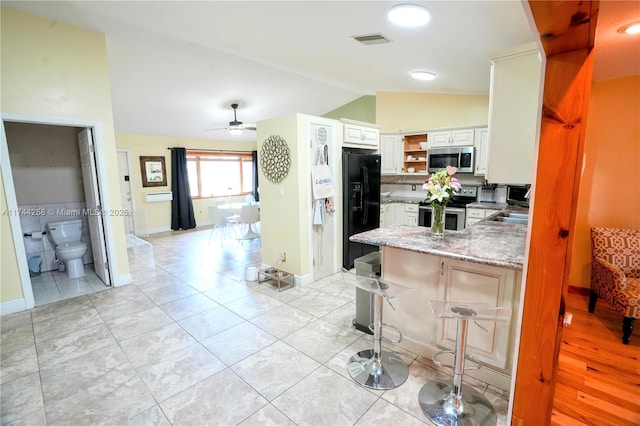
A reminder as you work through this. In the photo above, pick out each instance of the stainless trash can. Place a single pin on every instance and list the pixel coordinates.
(366, 266)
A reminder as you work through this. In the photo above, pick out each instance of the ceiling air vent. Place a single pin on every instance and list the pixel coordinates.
(371, 39)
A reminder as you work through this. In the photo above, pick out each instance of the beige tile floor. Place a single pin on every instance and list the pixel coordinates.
(192, 343)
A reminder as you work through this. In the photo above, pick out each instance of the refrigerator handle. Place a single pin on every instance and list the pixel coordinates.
(364, 199)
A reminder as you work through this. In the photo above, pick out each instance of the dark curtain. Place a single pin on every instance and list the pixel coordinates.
(182, 216)
(254, 157)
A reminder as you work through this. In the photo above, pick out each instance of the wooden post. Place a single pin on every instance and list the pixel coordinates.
(559, 161)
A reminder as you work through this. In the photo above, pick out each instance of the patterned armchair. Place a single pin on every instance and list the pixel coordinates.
(615, 273)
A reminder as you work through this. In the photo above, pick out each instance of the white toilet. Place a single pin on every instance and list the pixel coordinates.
(66, 236)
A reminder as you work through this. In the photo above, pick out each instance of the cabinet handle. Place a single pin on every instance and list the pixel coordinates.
(441, 268)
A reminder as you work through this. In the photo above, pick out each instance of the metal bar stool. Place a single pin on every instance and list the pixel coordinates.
(449, 405)
(376, 368)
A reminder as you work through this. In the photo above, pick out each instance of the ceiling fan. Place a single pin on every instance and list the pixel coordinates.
(236, 127)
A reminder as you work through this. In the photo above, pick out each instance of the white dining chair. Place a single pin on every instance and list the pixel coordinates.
(250, 216)
(220, 221)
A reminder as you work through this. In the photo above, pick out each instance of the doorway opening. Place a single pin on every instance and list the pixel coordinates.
(50, 177)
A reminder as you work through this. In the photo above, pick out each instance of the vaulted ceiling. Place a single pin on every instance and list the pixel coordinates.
(177, 66)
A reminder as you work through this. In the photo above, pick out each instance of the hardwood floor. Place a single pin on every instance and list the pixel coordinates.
(598, 380)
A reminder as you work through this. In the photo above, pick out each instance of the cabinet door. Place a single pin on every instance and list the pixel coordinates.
(475, 213)
(489, 212)
(473, 216)
(471, 221)
(352, 134)
(396, 214)
(384, 215)
(439, 139)
(410, 214)
(481, 143)
(462, 137)
(513, 116)
(371, 137)
(359, 136)
(391, 154)
(473, 283)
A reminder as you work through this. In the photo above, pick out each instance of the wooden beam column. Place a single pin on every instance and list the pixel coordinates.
(566, 30)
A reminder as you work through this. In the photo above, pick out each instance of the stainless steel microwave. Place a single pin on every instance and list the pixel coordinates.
(518, 195)
(461, 157)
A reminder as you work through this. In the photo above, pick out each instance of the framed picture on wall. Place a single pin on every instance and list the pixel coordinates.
(153, 171)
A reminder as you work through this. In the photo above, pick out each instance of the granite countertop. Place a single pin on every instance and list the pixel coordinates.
(406, 200)
(481, 205)
(411, 200)
(487, 242)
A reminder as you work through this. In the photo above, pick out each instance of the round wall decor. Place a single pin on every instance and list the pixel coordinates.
(275, 159)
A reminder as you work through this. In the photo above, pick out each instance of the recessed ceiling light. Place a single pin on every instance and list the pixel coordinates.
(409, 15)
(633, 28)
(423, 75)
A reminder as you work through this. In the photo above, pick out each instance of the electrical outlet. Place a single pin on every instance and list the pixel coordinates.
(413, 187)
(283, 257)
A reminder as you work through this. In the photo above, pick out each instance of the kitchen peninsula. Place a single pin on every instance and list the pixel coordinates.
(480, 264)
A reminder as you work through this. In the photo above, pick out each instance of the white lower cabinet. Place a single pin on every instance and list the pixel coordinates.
(395, 213)
(410, 214)
(399, 214)
(476, 215)
(426, 277)
(383, 215)
(487, 341)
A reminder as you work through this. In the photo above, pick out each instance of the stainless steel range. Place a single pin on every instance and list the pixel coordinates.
(456, 209)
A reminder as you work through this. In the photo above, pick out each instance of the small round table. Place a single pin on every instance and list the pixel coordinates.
(448, 405)
(376, 368)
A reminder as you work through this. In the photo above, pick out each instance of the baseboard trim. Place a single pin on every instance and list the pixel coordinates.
(120, 280)
(158, 230)
(12, 307)
(303, 280)
(579, 290)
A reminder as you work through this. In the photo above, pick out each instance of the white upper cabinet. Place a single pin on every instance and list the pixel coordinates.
(439, 139)
(361, 135)
(391, 154)
(514, 109)
(481, 143)
(461, 137)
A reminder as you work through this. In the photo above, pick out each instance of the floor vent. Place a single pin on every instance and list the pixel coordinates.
(372, 38)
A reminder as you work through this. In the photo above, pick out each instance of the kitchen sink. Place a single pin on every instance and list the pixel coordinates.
(511, 217)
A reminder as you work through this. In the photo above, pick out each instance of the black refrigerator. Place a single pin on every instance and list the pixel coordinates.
(361, 202)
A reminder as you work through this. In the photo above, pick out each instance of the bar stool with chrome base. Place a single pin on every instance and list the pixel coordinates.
(375, 368)
(449, 405)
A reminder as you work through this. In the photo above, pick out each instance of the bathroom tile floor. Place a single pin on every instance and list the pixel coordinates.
(53, 286)
(191, 343)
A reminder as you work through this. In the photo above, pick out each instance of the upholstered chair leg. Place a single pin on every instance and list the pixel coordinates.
(627, 328)
(593, 298)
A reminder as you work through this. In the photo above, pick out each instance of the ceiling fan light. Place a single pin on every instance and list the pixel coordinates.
(409, 15)
(423, 75)
(235, 131)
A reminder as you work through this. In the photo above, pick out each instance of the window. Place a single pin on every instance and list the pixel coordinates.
(219, 174)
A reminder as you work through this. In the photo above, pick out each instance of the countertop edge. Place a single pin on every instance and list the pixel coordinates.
(486, 243)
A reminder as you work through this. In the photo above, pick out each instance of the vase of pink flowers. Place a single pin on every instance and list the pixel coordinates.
(441, 186)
